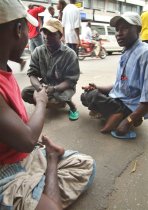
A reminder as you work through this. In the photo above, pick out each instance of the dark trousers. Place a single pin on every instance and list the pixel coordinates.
(104, 104)
(74, 47)
(65, 96)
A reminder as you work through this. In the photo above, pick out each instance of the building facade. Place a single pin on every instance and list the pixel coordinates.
(105, 9)
(102, 10)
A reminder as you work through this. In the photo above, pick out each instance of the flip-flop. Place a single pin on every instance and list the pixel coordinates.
(73, 115)
(129, 135)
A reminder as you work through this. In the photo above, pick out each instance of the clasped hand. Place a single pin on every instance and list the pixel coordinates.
(40, 96)
(90, 87)
(49, 90)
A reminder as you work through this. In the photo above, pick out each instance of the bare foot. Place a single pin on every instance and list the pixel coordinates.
(112, 122)
(51, 148)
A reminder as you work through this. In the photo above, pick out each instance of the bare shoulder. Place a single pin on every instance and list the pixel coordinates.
(8, 115)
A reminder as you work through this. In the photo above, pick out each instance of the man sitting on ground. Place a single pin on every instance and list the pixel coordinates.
(57, 67)
(30, 177)
(126, 102)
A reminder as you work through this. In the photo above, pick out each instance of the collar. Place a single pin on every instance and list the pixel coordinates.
(136, 43)
(61, 48)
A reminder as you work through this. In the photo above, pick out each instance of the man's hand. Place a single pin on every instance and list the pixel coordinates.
(50, 90)
(40, 96)
(90, 87)
(124, 127)
(39, 88)
(93, 85)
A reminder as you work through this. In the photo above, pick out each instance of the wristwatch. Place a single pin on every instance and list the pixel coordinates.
(129, 119)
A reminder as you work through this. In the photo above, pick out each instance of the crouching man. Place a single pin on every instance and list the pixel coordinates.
(126, 102)
(54, 66)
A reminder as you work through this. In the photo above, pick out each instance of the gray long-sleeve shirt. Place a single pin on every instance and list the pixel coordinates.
(62, 65)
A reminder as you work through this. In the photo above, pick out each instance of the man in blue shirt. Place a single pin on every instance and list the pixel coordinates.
(126, 102)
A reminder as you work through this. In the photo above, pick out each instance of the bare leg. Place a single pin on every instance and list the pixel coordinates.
(138, 122)
(50, 198)
(72, 106)
(112, 122)
(95, 115)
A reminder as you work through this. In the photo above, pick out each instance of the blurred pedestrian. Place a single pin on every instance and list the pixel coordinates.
(71, 23)
(35, 38)
(87, 37)
(60, 6)
(49, 13)
(144, 18)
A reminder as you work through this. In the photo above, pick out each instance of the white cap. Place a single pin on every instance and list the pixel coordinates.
(132, 18)
(53, 25)
(14, 9)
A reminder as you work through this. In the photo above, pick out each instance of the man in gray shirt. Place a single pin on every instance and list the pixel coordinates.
(54, 66)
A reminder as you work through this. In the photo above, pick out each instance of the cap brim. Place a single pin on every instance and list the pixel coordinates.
(114, 20)
(49, 28)
(32, 20)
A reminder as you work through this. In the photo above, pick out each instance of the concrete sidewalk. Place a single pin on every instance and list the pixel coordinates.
(114, 158)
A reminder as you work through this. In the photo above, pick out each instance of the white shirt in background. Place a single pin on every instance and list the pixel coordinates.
(70, 21)
(87, 34)
(47, 16)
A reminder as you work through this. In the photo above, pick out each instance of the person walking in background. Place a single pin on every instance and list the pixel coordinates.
(35, 38)
(49, 13)
(60, 6)
(71, 24)
(144, 31)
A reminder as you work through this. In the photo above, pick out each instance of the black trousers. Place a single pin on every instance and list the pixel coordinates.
(104, 104)
(74, 47)
(65, 96)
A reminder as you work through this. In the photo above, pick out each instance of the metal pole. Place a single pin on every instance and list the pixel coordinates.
(92, 4)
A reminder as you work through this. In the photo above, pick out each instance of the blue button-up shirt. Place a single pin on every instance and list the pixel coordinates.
(132, 87)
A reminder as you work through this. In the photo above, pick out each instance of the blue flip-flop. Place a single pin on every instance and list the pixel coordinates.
(129, 135)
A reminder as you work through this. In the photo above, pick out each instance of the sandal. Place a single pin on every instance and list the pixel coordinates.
(73, 115)
(129, 135)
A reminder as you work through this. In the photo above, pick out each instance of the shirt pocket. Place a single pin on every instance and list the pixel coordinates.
(130, 90)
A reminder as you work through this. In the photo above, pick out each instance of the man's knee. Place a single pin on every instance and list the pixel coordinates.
(88, 98)
(24, 94)
(64, 96)
(27, 94)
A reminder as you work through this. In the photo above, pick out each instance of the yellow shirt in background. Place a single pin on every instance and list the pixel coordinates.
(144, 31)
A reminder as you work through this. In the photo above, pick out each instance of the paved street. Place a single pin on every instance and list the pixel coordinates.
(115, 187)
